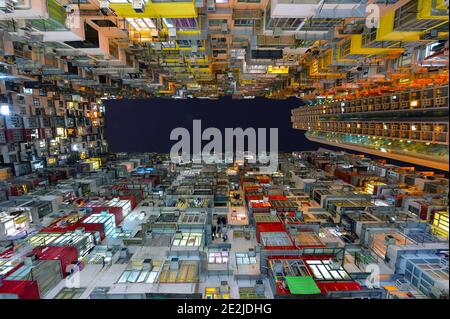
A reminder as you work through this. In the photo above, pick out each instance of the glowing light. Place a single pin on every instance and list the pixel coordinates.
(4, 109)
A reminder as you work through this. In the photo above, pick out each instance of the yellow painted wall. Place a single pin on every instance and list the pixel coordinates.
(157, 10)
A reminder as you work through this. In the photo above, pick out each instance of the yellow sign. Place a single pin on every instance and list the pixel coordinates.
(278, 69)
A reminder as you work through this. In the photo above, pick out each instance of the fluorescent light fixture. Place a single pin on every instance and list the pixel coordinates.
(4, 109)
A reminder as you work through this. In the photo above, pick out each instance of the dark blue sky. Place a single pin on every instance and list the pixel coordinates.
(145, 125)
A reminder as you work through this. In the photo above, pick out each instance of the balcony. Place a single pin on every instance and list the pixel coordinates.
(407, 22)
(419, 15)
(352, 48)
(418, 152)
(58, 26)
(318, 8)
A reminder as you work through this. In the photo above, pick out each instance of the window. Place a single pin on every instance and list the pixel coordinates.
(243, 22)
(414, 210)
(188, 43)
(21, 99)
(217, 22)
(345, 48)
(36, 102)
(187, 239)
(27, 91)
(275, 239)
(181, 24)
(142, 23)
(245, 259)
(140, 275)
(6, 267)
(60, 131)
(323, 271)
(70, 293)
(218, 256)
(168, 44)
(283, 23)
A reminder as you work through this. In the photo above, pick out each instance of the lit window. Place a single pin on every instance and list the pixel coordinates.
(218, 257)
(187, 239)
(323, 271)
(245, 259)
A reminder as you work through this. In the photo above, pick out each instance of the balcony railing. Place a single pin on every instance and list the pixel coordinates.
(56, 20)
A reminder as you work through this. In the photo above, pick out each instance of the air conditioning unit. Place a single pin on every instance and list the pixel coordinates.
(25, 29)
(291, 57)
(157, 46)
(28, 261)
(277, 268)
(199, 3)
(80, 231)
(292, 230)
(389, 240)
(211, 5)
(277, 32)
(259, 287)
(174, 264)
(147, 264)
(224, 28)
(123, 253)
(172, 33)
(138, 6)
(104, 4)
(224, 288)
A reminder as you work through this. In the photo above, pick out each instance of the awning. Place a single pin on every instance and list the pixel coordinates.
(302, 285)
